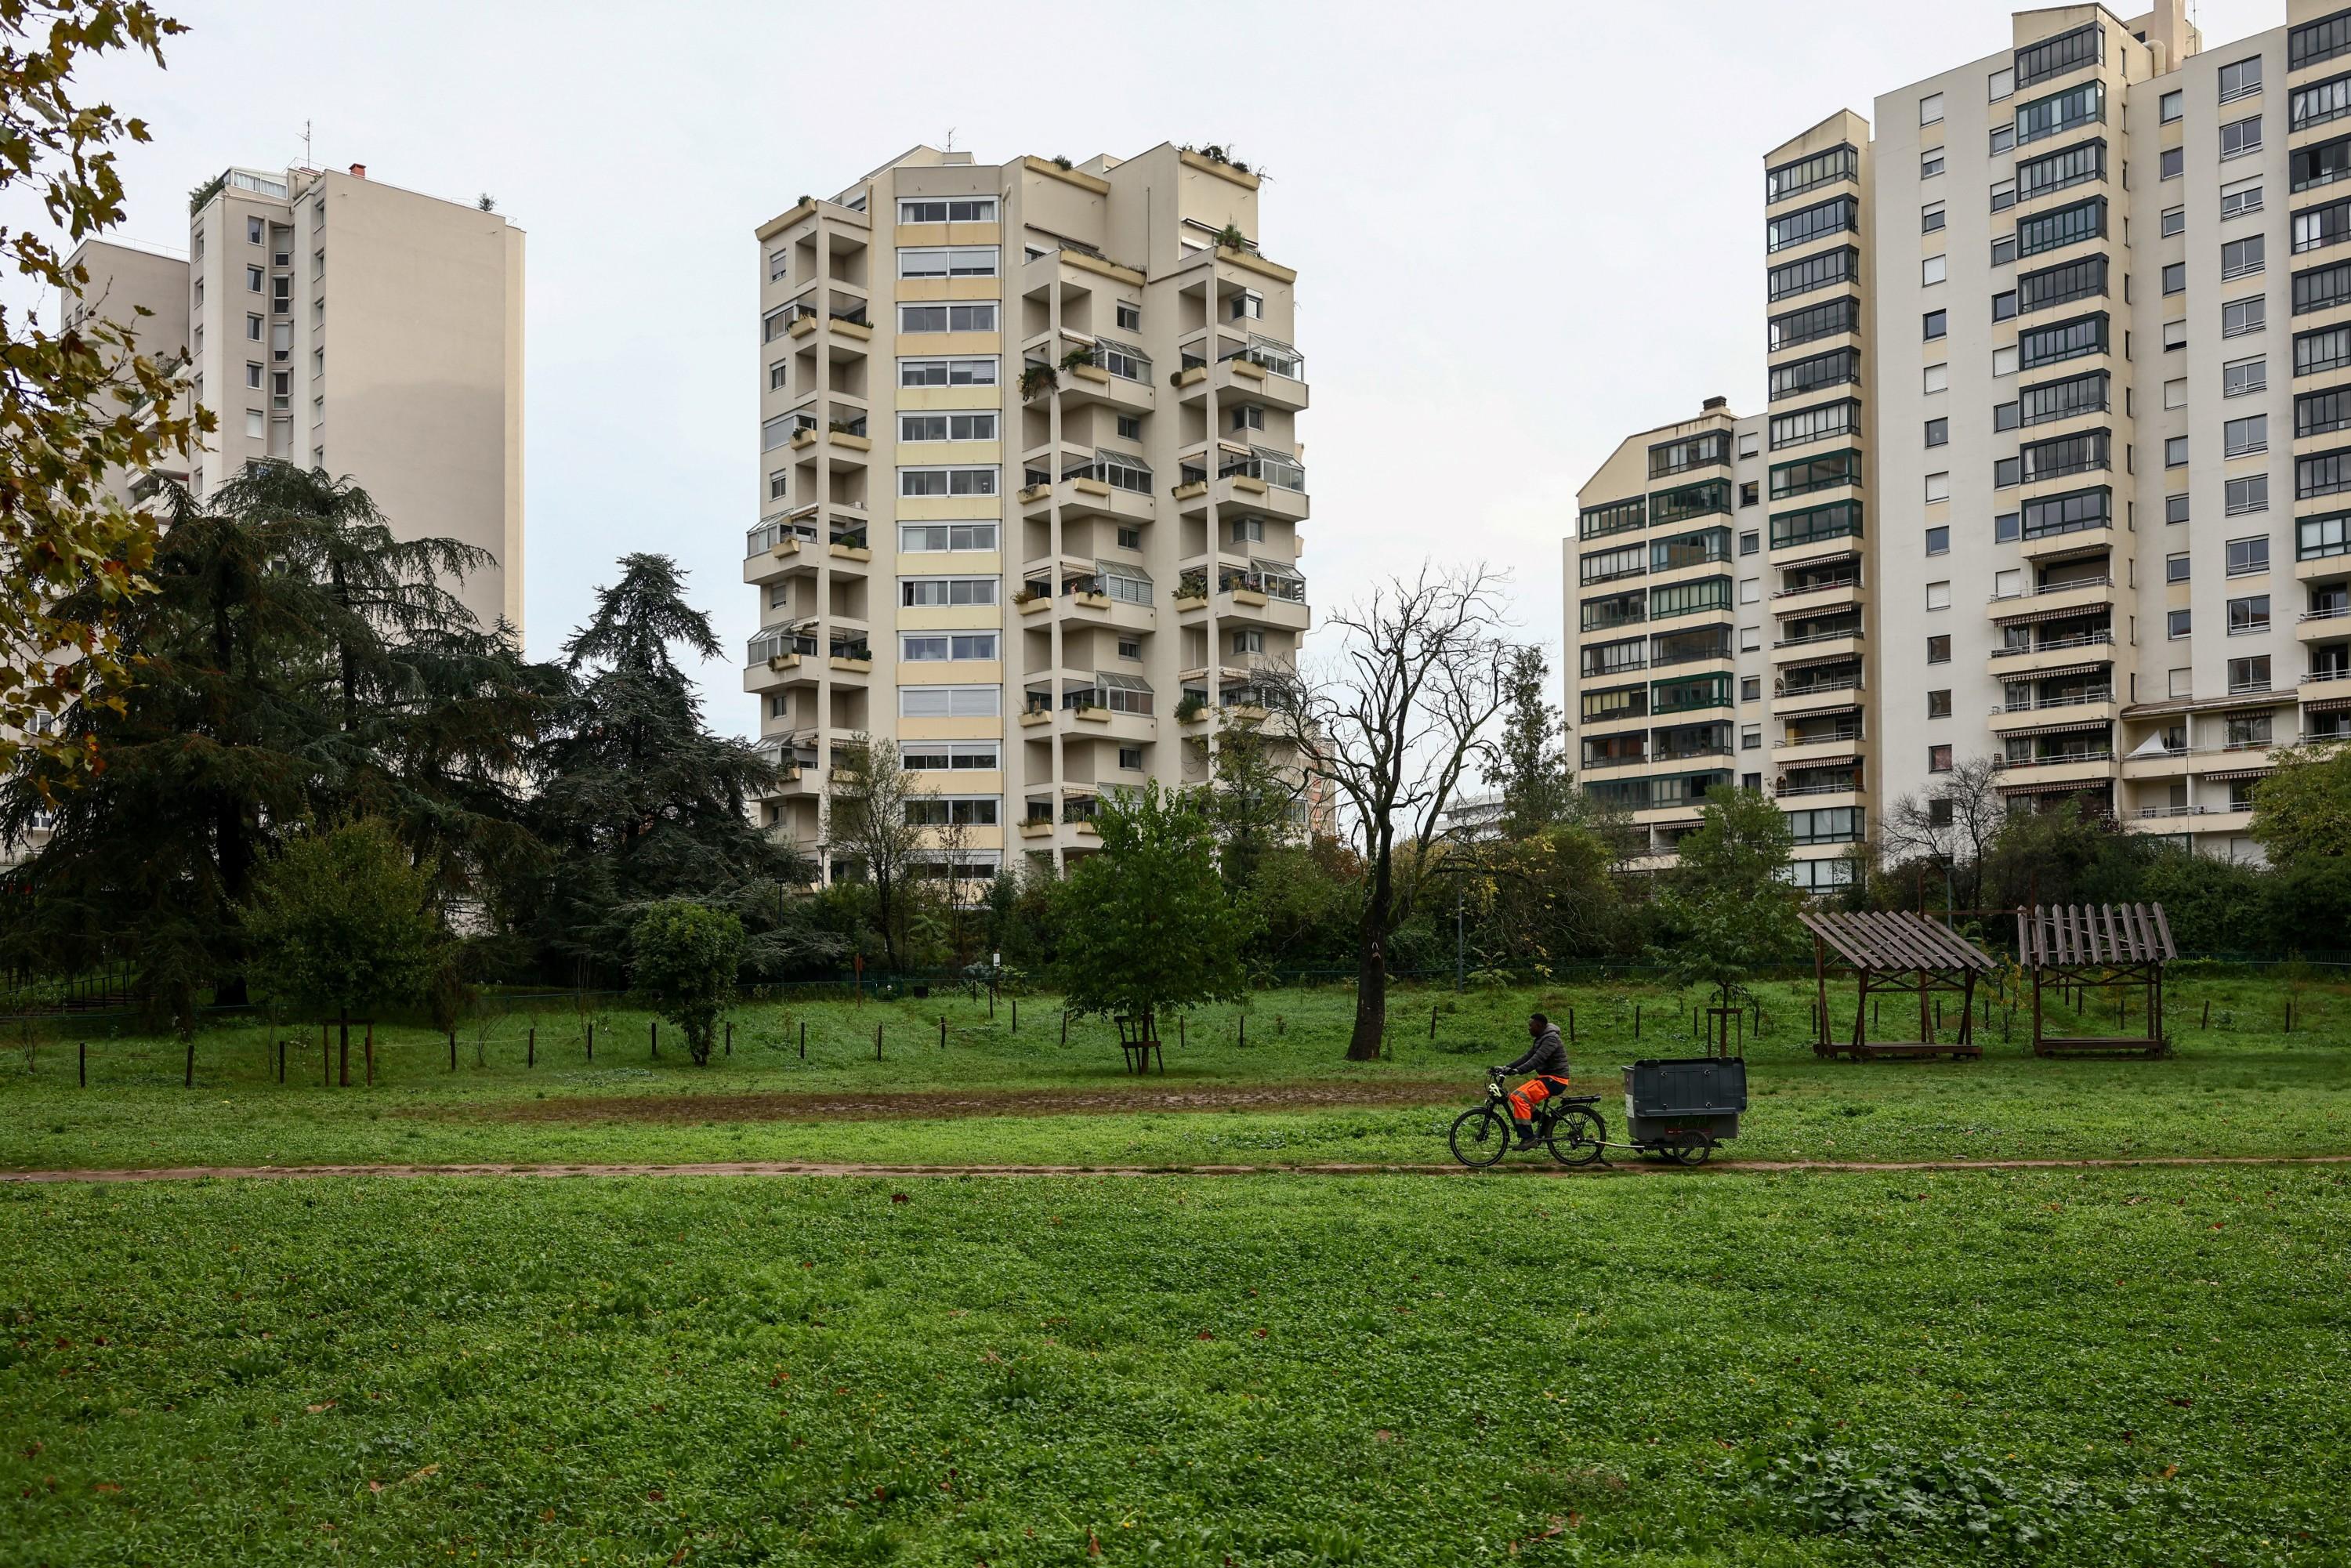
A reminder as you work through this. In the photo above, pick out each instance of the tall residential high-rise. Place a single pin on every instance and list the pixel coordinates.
(2018, 492)
(1030, 485)
(337, 321)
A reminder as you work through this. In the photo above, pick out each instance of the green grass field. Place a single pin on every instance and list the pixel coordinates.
(2242, 1085)
(2113, 1366)
(2080, 1368)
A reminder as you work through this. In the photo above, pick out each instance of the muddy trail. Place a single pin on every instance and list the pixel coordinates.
(1527, 1172)
(954, 1104)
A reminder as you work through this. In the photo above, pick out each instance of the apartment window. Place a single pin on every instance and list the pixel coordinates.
(944, 481)
(317, 264)
(2175, 221)
(1938, 540)
(2182, 682)
(2174, 335)
(2175, 509)
(2176, 623)
(924, 538)
(1750, 493)
(2003, 305)
(2175, 392)
(2004, 362)
(1934, 270)
(950, 701)
(2240, 257)
(1839, 367)
(1930, 108)
(2241, 136)
(2065, 225)
(1840, 162)
(2250, 493)
(2000, 84)
(779, 263)
(1751, 591)
(778, 483)
(2322, 288)
(1939, 488)
(2239, 377)
(936, 647)
(2171, 105)
(2317, 413)
(2172, 164)
(2175, 568)
(2241, 79)
(1751, 639)
(1829, 318)
(2004, 196)
(2175, 452)
(1130, 317)
(914, 428)
(252, 374)
(2060, 285)
(2248, 556)
(2249, 675)
(947, 261)
(779, 375)
(2316, 538)
(773, 324)
(1750, 738)
(1750, 444)
(2243, 437)
(2174, 277)
(1939, 649)
(253, 280)
(2050, 400)
(1930, 164)
(1938, 760)
(2008, 584)
(2316, 228)
(1938, 432)
(1130, 647)
(2071, 339)
(1129, 427)
(940, 593)
(1750, 688)
(1130, 758)
(2003, 250)
(1820, 270)
(2241, 198)
(1930, 217)
(1132, 538)
(1936, 324)
(1750, 541)
(1939, 596)
(254, 231)
(1938, 378)
(2240, 317)
(1248, 304)
(2007, 528)
(2319, 102)
(2006, 473)
(978, 372)
(2249, 615)
(1247, 416)
(1819, 423)
(2060, 112)
(956, 209)
(2003, 137)
(776, 432)
(976, 317)
(253, 328)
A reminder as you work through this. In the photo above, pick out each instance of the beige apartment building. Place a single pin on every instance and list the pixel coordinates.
(2078, 448)
(336, 321)
(1029, 488)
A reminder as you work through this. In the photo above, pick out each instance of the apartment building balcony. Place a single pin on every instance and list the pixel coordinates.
(2323, 567)
(1804, 689)
(794, 756)
(1256, 478)
(1837, 743)
(783, 543)
(1097, 593)
(2056, 768)
(2078, 596)
(1101, 372)
(2062, 544)
(1263, 593)
(840, 314)
(1261, 370)
(2049, 657)
(1825, 588)
(1807, 642)
(2328, 622)
(2030, 713)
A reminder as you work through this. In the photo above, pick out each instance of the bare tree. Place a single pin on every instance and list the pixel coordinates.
(1395, 727)
(1951, 824)
(875, 819)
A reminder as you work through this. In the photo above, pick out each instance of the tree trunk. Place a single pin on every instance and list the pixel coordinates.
(1372, 969)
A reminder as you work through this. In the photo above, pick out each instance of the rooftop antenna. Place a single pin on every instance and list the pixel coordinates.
(951, 130)
(307, 162)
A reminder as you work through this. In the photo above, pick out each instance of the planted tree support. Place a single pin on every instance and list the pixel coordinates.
(2119, 947)
(1139, 1040)
(1891, 954)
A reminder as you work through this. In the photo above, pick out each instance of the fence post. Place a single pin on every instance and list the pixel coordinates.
(803, 1039)
(730, 1038)
(281, 1058)
(369, 1050)
(652, 1036)
(1636, 1020)
(877, 1043)
(1065, 1026)
(82, 1064)
(1432, 1020)
(453, 1050)
(1016, 1015)
(189, 1079)
(1244, 1028)
(530, 1049)
(591, 1040)
(943, 1032)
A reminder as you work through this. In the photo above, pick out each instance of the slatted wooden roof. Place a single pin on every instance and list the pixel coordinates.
(2074, 933)
(1897, 941)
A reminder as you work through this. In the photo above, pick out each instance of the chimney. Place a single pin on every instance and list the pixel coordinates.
(359, 171)
(1713, 404)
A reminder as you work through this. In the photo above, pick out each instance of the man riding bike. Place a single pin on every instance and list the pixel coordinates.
(1547, 1060)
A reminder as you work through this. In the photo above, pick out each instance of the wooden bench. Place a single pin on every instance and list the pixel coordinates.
(2101, 1045)
(1900, 1049)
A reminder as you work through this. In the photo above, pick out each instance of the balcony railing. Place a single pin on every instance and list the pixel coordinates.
(1840, 735)
(2068, 699)
(1828, 636)
(2102, 580)
(1850, 683)
(773, 531)
(1273, 584)
(2329, 612)
(1835, 786)
(1593, 764)
(2057, 645)
(2053, 760)
(1821, 587)
(1278, 469)
(770, 646)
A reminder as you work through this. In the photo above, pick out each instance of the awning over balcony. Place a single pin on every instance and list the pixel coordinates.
(1811, 764)
(2061, 672)
(2326, 704)
(2063, 613)
(2072, 726)
(2055, 787)
(2236, 773)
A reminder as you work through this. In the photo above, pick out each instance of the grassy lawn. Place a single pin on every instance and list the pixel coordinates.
(2241, 1085)
(2139, 1367)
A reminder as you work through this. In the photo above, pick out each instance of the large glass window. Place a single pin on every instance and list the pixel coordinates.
(2078, 454)
(2060, 112)
(946, 426)
(943, 261)
(2321, 163)
(950, 701)
(976, 317)
(947, 210)
(1613, 517)
(1819, 270)
(1819, 423)
(1839, 214)
(1837, 520)
(1827, 319)
(942, 593)
(1690, 452)
(1607, 565)
(1616, 703)
(2328, 349)
(2062, 340)
(2317, 538)
(1839, 163)
(977, 480)
(2074, 165)
(2315, 228)
(1699, 500)
(2315, 414)
(2319, 41)
(1707, 593)
(1824, 472)
(978, 372)
(2069, 513)
(2321, 101)
(1841, 367)
(2065, 225)
(2322, 474)
(2054, 57)
(2082, 280)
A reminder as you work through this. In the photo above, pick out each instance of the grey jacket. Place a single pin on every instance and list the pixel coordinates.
(1545, 1058)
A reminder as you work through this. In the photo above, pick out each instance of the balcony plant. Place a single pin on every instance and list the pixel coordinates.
(1193, 584)
(1037, 380)
(1024, 594)
(1231, 238)
(1192, 707)
(1081, 355)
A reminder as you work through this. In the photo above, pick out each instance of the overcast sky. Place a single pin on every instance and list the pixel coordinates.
(1521, 231)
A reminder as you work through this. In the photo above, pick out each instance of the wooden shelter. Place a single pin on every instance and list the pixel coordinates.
(2111, 947)
(1903, 953)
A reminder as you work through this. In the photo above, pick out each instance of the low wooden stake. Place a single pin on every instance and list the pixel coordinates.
(1636, 1020)
(189, 1082)
(2208, 1014)
(1065, 1026)
(453, 1050)
(82, 1066)
(652, 1036)
(1244, 1028)
(1016, 1015)
(591, 1040)
(803, 1039)
(1432, 1022)
(730, 1039)
(530, 1049)
(943, 1032)
(877, 1043)
(367, 1050)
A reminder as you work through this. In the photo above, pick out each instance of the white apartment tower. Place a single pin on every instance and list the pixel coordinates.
(1030, 485)
(335, 321)
(2068, 340)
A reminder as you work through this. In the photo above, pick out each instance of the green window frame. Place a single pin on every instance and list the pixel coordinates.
(1614, 518)
(1826, 471)
(1690, 550)
(1615, 702)
(1702, 499)
(1690, 694)
(1697, 598)
(1834, 520)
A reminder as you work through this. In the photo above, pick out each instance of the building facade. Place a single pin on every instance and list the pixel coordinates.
(1030, 488)
(339, 322)
(2054, 463)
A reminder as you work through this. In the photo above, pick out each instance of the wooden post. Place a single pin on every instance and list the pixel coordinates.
(82, 1064)
(189, 1081)
(1244, 1028)
(652, 1036)
(877, 1043)
(367, 1050)
(943, 1032)
(1432, 1020)
(453, 1050)
(1636, 1020)
(2208, 1014)
(1016, 1015)
(730, 1037)
(530, 1048)
(803, 1039)
(325, 1060)
(591, 1040)
(281, 1061)
(1181, 1038)
(1065, 1026)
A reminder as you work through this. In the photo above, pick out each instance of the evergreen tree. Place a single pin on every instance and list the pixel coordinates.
(294, 663)
(638, 803)
(1531, 758)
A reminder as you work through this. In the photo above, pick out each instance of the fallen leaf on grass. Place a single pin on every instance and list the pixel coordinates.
(104, 1486)
(314, 1409)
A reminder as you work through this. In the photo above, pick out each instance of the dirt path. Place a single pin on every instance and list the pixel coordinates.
(949, 1104)
(809, 1168)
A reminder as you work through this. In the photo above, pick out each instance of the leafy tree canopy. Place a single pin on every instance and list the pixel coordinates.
(684, 961)
(341, 923)
(1144, 924)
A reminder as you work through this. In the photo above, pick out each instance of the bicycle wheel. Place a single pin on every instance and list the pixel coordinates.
(1689, 1148)
(1481, 1137)
(1578, 1137)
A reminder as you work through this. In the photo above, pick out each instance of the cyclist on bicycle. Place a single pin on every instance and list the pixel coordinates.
(1547, 1060)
